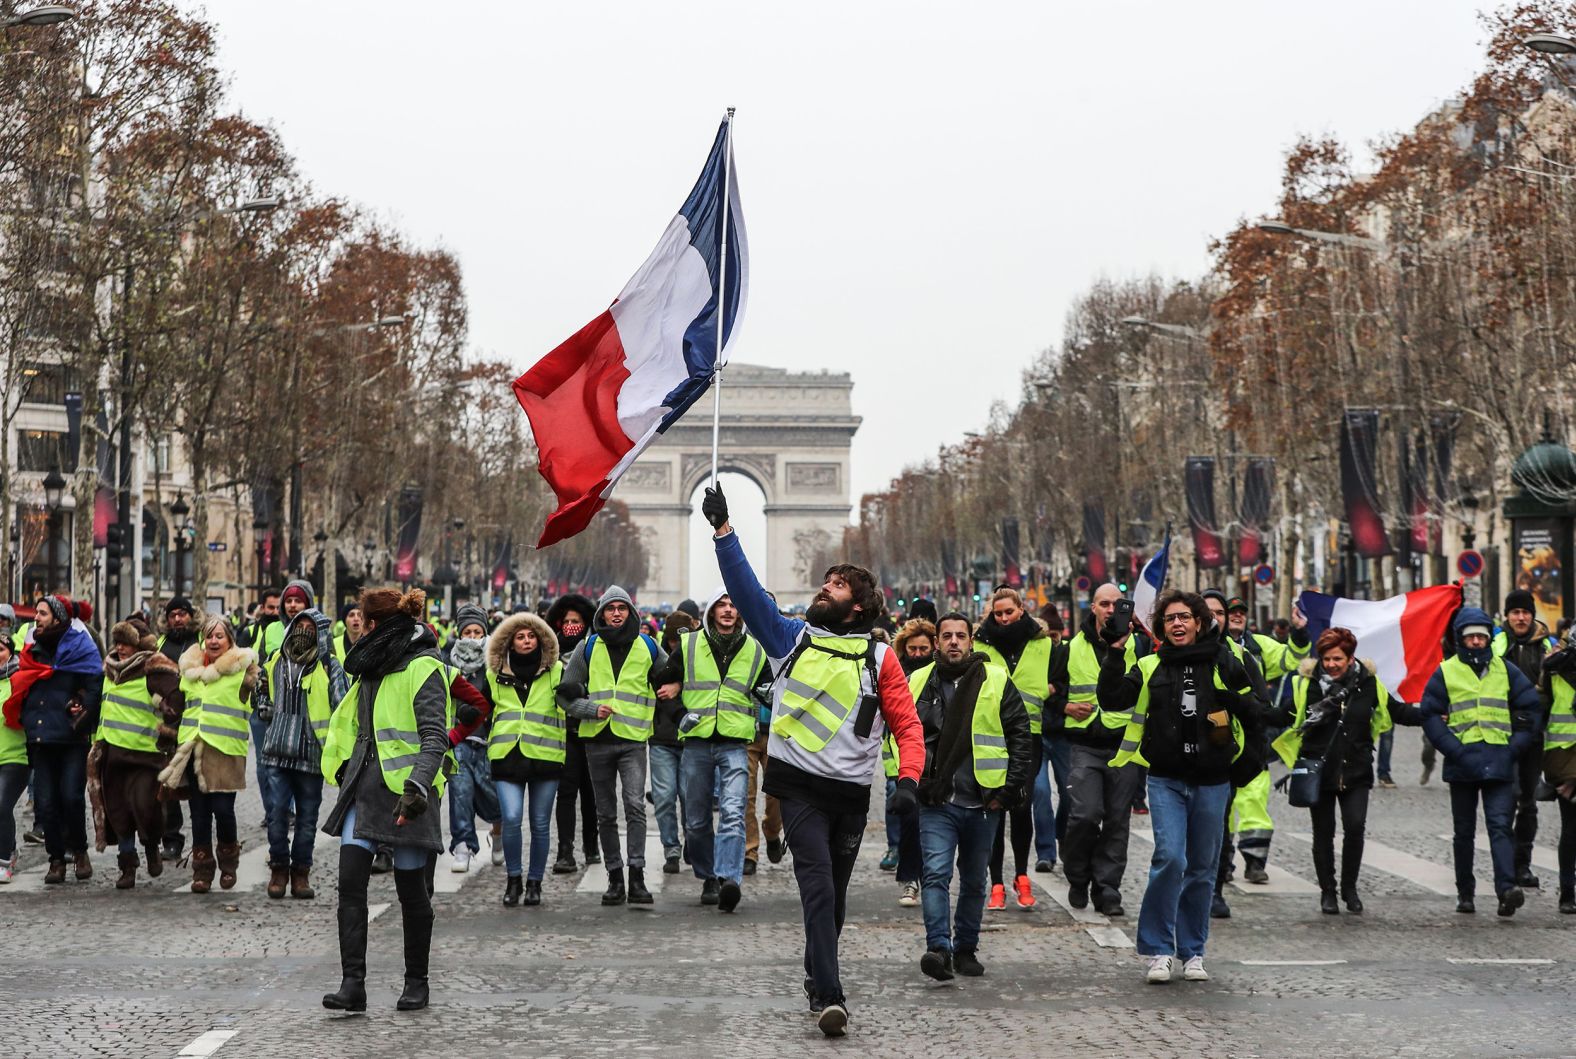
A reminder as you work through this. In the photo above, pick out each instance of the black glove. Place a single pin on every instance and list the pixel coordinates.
(905, 799)
(1111, 635)
(412, 803)
(715, 506)
(467, 714)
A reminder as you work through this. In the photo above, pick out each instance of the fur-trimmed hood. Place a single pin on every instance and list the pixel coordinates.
(142, 664)
(235, 660)
(498, 644)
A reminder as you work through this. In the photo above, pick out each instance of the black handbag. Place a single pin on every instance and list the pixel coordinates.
(1305, 784)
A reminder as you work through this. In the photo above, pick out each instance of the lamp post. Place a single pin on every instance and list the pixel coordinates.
(180, 521)
(54, 490)
(45, 15)
(368, 548)
(259, 535)
(1551, 44)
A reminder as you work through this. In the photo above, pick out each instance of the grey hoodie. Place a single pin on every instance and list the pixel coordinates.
(573, 696)
(286, 748)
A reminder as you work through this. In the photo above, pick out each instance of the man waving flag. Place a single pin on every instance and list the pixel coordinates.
(602, 396)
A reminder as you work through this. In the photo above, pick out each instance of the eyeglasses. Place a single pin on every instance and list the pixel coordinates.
(1177, 619)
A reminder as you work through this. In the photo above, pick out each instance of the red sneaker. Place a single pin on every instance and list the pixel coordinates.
(998, 898)
(1025, 891)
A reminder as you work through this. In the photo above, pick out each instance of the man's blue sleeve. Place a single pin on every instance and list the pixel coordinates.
(777, 634)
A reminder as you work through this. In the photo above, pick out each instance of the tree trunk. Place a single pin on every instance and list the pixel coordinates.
(330, 601)
(84, 483)
(199, 543)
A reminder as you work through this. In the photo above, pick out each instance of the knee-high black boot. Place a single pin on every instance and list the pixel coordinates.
(355, 868)
(416, 911)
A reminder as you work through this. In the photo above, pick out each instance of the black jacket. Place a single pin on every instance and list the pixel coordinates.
(1344, 739)
(1014, 725)
(1095, 735)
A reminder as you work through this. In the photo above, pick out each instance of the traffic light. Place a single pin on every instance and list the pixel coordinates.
(113, 548)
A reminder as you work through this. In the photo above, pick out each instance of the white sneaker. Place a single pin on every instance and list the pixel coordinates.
(5, 872)
(910, 895)
(1159, 970)
(462, 862)
(1193, 970)
(497, 850)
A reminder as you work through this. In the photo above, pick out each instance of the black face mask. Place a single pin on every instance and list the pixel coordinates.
(912, 665)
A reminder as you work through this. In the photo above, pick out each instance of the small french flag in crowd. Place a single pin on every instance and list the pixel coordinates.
(1401, 635)
(1151, 579)
(602, 396)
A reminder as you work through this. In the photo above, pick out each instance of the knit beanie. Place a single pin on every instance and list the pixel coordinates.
(1520, 599)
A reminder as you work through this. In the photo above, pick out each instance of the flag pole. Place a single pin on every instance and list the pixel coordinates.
(722, 293)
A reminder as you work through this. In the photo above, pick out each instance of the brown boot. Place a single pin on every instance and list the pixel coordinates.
(155, 861)
(299, 886)
(202, 869)
(56, 872)
(278, 875)
(128, 870)
(229, 857)
(84, 867)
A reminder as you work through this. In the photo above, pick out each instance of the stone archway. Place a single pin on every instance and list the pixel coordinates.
(790, 433)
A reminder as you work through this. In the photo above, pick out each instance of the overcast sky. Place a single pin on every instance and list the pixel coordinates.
(927, 186)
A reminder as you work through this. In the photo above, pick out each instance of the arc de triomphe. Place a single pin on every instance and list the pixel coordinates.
(788, 432)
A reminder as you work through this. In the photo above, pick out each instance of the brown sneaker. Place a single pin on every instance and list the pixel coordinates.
(202, 869)
(278, 876)
(299, 884)
(56, 872)
(83, 866)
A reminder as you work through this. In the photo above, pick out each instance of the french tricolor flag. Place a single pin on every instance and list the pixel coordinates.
(602, 396)
(1401, 634)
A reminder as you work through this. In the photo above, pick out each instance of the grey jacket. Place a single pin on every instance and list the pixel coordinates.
(573, 694)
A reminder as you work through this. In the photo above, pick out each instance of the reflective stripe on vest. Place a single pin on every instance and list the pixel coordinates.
(821, 691)
(394, 731)
(1133, 735)
(1479, 707)
(628, 692)
(723, 703)
(315, 683)
(1083, 677)
(1031, 676)
(536, 726)
(221, 715)
(1562, 714)
(127, 717)
(889, 763)
(988, 741)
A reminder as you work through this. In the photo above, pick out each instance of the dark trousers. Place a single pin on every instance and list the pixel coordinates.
(1499, 806)
(1099, 820)
(1353, 803)
(1567, 844)
(576, 783)
(13, 781)
(306, 789)
(1529, 770)
(1021, 817)
(824, 846)
(60, 796)
(211, 812)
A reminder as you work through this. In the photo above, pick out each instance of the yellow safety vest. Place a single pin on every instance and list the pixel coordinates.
(13, 741)
(821, 691)
(1479, 706)
(988, 740)
(393, 723)
(127, 717)
(1083, 677)
(536, 726)
(216, 713)
(319, 708)
(1031, 676)
(1561, 731)
(723, 703)
(1288, 745)
(628, 692)
(889, 762)
(1133, 736)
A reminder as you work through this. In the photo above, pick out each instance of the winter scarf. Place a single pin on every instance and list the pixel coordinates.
(1010, 639)
(75, 653)
(378, 652)
(119, 671)
(469, 657)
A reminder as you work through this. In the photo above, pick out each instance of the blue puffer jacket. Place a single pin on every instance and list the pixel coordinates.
(46, 715)
(1481, 762)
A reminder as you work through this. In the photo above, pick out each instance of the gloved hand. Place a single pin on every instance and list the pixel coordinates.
(467, 714)
(411, 804)
(905, 799)
(1113, 636)
(715, 507)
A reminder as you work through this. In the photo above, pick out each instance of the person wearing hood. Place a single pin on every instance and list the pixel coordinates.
(352, 629)
(1335, 709)
(296, 694)
(915, 645)
(607, 688)
(132, 746)
(528, 744)
(8, 628)
(388, 753)
(1523, 642)
(835, 694)
(180, 630)
(665, 750)
(54, 700)
(296, 597)
(570, 617)
(712, 677)
(472, 792)
(1192, 711)
(14, 770)
(1482, 714)
(979, 757)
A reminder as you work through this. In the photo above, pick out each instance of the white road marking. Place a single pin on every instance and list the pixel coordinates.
(1535, 963)
(1282, 882)
(448, 881)
(595, 878)
(252, 872)
(374, 911)
(1096, 925)
(208, 1043)
(1542, 856)
(1108, 937)
(1436, 878)
(1291, 963)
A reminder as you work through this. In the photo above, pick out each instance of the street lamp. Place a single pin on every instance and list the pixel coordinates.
(259, 535)
(180, 517)
(1279, 227)
(368, 547)
(54, 489)
(47, 15)
(1551, 44)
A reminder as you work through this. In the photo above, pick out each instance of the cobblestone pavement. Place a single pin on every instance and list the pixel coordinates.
(91, 971)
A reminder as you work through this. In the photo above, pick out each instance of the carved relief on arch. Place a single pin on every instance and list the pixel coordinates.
(759, 466)
(648, 478)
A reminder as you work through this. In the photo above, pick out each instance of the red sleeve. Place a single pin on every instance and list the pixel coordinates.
(465, 691)
(897, 710)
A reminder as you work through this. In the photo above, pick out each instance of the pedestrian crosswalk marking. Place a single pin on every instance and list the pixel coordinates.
(1542, 856)
(1096, 925)
(595, 878)
(207, 1044)
(1426, 874)
(1500, 962)
(1291, 963)
(1282, 882)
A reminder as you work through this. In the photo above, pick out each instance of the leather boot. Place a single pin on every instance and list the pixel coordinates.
(229, 856)
(155, 860)
(355, 868)
(83, 866)
(1354, 904)
(533, 892)
(615, 887)
(56, 872)
(300, 883)
(511, 891)
(1328, 904)
(202, 869)
(278, 878)
(128, 870)
(416, 911)
(1568, 900)
(638, 894)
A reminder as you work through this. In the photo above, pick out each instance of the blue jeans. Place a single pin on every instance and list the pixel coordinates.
(663, 763)
(511, 802)
(1386, 746)
(265, 786)
(946, 834)
(726, 766)
(1499, 806)
(1187, 821)
(1048, 825)
(60, 796)
(907, 841)
(471, 794)
(13, 781)
(406, 858)
(306, 788)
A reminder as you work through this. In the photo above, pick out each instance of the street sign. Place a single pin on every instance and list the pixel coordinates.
(218, 546)
(1469, 563)
(1264, 573)
(1083, 584)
